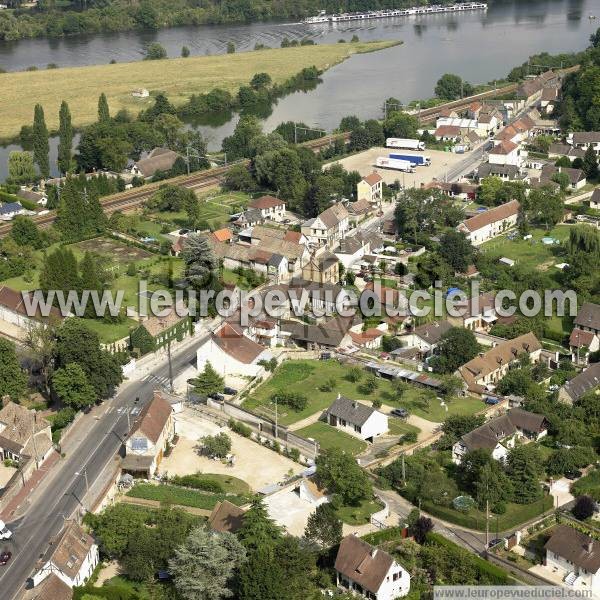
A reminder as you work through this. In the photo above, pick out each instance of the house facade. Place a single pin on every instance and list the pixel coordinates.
(323, 267)
(328, 228)
(505, 153)
(270, 208)
(358, 419)
(370, 188)
(587, 381)
(490, 223)
(369, 572)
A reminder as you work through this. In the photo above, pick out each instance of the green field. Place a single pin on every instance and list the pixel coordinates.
(361, 514)
(330, 437)
(306, 377)
(178, 78)
(531, 253)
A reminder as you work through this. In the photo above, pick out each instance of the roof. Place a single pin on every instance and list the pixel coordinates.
(580, 338)
(334, 215)
(504, 147)
(364, 337)
(13, 300)
(137, 462)
(499, 213)
(360, 207)
(363, 563)
(504, 353)
(69, 549)
(351, 411)
(432, 332)
(53, 588)
(294, 237)
(372, 179)
(588, 316)
(329, 333)
(17, 424)
(494, 431)
(265, 202)
(160, 159)
(30, 195)
(155, 325)
(447, 131)
(575, 546)
(10, 207)
(510, 171)
(587, 380)
(226, 516)
(574, 175)
(223, 235)
(153, 418)
(237, 345)
(586, 137)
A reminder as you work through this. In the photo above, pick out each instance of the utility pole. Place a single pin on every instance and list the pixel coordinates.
(37, 466)
(276, 420)
(403, 470)
(487, 524)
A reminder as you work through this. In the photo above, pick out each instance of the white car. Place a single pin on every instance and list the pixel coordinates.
(5, 532)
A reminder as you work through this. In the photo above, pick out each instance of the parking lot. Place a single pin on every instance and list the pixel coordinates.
(441, 162)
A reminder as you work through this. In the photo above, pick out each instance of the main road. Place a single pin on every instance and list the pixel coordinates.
(65, 487)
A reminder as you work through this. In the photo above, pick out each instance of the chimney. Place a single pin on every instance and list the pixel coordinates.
(590, 546)
(339, 396)
(373, 552)
(355, 404)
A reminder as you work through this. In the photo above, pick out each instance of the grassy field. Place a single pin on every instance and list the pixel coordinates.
(178, 77)
(307, 377)
(361, 514)
(330, 437)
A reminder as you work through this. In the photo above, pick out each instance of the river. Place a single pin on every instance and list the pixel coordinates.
(479, 46)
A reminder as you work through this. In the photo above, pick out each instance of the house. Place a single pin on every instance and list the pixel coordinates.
(159, 159)
(52, 588)
(13, 309)
(270, 207)
(352, 248)
(505, 153)
(356, 418)
(230, 352)
(447, 133)
(224, 235)
(477, 313)
(226, 517)
(483, 372)
(369, 572)
(327, 335)
(426, 337)
(370, 188)
(249, 218)
(490, 223)
(10, 210)
(558, 149)
(504, 172)
(500, 434)
(587, 381)
(359, 210)
(588, 318)
(576, 176)
(594, 201)
(462, 190)
(531, 89)
(328, 228)
(581, 344)
(72, 557)
(369, 339)
(585, 139)
(38, 198)
(149, 438)
(322, 267)
(24, 435)
(172, 326)
(575, 558)
(311, 492)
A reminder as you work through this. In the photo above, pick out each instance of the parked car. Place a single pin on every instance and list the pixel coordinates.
(230, 391)
(402, 413)
(5, 557)
(217, 396)
(491, 400)
(494, 542)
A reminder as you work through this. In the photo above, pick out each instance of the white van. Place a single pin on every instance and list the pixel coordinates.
(5, 532)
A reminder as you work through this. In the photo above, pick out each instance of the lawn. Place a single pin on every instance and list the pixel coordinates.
(178, 78)
(400, 427)
(532, 253)
(330, 437)
(183, 496)
(588, 485)
(111, 332)
(230, 484)
(308, 376)
(361, 514)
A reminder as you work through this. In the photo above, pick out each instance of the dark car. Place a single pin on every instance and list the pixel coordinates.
(494, 542)
(402, 413)
(230, 391)
(5, 557)
(217, 396)
(573, 475)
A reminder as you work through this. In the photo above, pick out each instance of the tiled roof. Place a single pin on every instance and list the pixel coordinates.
(588, 316)
(504, 147)
(265, 202)
(580, 338)
(160, 159)
(499, 213)
(223, 235)
(587, 380)
(579, 549)
(153, 418)
(237, 345)
(17, 423)
(13, 301)
(373, 178)
(53, 588)
(226, 516)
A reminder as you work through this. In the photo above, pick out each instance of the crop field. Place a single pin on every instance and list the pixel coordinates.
(177, 77)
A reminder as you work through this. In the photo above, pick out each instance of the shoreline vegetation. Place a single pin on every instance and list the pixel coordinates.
(178, 78)
(18, 22)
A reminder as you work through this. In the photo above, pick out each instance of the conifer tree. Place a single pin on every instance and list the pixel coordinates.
(65, 141)
(103, 111)
(41, 146)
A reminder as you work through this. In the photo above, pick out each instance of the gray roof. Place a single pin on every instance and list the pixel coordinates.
(350, 410)
(575, 546)
(160, 159)
(432, 332)
(586, 137)
(10, 207)
(584, 382)
(574, 175)
(589, 316)
(486, 169)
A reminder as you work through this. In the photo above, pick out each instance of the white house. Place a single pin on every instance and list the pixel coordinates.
(230, 352)
(505, 153)
(10, 210)
(39, 198)
(310, 492)
(269, 207)
(490, 223)
(72, 557)
(13, 309)
(575, 558)
(357, 418)
(426, 337)
(584, 139)
(369, 572)
(370, 188)
(328, 228)
(499, 435)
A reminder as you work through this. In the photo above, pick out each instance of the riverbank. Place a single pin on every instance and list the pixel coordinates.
(178, 78)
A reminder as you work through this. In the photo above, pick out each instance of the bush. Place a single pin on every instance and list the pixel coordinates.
(198, 483)
(155, 51)
(240, 428)
(293, 400)
(584, 508)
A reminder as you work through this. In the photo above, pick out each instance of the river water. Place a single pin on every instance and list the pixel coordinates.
(478, 45)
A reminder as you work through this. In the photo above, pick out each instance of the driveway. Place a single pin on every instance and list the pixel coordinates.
(288, 510)
(185, 460)
(560, 490)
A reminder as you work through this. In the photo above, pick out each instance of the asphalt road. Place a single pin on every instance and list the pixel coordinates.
(65, 486)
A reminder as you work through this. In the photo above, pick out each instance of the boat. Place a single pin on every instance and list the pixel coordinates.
(323, 17)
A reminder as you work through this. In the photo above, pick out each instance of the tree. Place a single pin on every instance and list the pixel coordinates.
(525, 468)
(204, 565)
(20, 167)
(218, 445)
(65, 138)
(230, 48)
(40, 342)
(41, 146)
(401, 124)
(584, 508)
(141, 340)
(185, 51)
(324, 527)
(237, 145)
(562, 179)
(59, 271)
(238, 177)
(13, 381)
(339, 473)
(25, 232)
(208, 382)
(457, 346)
(155, 51)
(451, 87)
(455, 426)
(492, 486)
(260, 81)
(103, 110)
(72, 388)
(590, 163)
(421, 528)
(457, 250)
(258, 530)
(200, 262)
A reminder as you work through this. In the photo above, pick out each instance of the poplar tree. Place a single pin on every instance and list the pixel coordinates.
(41, 146)
(103, 111)
(65, 135)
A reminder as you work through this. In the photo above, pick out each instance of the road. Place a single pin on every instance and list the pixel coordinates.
(65, 487)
